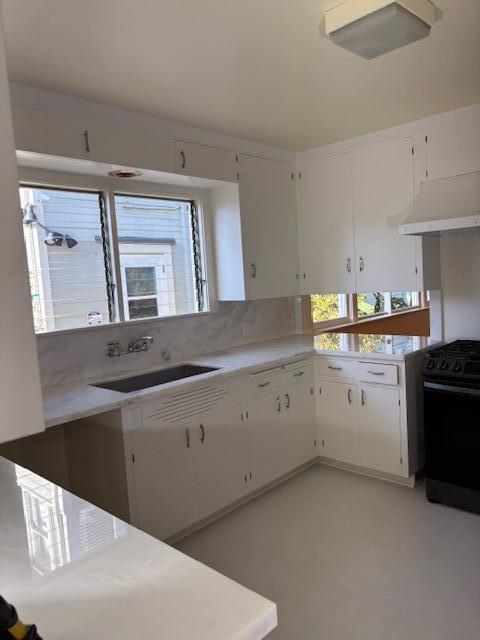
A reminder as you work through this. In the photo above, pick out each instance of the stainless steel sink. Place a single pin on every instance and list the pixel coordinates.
(135, 383)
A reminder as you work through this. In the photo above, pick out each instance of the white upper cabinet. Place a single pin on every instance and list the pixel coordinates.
(118, 143)
(51, 134)
(383, 186)
(455, 147)
(327, 252)
(269, 227)
(20, 392)
(205, 162)
(93, 139)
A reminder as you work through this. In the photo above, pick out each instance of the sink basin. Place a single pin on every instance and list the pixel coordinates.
(135, 383)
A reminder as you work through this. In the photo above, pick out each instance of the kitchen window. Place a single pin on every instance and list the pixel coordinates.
(141, 258)
(336, 309)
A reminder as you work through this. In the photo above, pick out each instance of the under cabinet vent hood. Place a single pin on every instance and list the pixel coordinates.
(445, 205)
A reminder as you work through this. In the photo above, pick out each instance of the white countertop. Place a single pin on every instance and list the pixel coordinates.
(64, 404)
(77, 572)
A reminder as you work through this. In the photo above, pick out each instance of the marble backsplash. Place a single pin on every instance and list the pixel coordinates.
(76, 356)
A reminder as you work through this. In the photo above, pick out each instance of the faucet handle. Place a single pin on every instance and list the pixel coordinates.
(113, 348)
(147, 339)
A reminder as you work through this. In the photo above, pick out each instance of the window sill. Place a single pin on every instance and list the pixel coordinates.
(121, 325)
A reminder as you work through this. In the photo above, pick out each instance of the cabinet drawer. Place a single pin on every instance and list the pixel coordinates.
(377, 372)
(264, 381)
(298, 375)
(336, 368)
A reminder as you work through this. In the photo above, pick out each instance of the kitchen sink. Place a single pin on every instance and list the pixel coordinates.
(146, 380)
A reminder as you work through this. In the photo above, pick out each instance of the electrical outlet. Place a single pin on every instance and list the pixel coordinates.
(247, 328)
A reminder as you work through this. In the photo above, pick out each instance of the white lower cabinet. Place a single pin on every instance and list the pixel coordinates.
(337, 420)
(379, 429)
(300, 424)
(165, 480)
(222, 461)
(365, 423)
(266, 439)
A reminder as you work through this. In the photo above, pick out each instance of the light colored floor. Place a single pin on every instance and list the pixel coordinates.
(352, 558)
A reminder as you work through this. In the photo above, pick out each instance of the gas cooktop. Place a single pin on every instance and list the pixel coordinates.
(455, 359)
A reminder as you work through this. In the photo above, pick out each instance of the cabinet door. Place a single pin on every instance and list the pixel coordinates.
(20, 391)
(166, 481)
(337, 421)
(300, 424)
(266, 445)
(383, 187)
(50, 133)
(205, 162)
(379, 429)
(115, 143)
(326, 226)
(269, 227)
(222, 461)
(455, 147)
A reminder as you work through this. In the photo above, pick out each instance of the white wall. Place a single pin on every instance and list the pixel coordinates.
(461, 285)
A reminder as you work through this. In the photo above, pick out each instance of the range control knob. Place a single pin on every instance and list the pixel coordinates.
(443, 366)
(456, 367)
(430, 364)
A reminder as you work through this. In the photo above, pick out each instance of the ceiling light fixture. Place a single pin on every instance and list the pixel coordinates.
(124, 173)
(371, 28)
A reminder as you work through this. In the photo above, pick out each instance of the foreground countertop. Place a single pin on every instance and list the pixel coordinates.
(71, 402)
(77, 571)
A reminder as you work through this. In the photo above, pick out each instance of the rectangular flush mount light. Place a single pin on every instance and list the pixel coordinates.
(371, 28)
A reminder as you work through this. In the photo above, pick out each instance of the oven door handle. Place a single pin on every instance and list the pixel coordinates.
(465, 391)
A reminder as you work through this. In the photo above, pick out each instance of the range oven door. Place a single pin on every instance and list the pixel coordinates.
(452, 434)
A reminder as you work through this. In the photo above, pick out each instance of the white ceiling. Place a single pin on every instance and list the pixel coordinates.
(258, 69)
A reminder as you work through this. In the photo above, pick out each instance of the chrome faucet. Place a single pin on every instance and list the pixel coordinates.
(114, 348)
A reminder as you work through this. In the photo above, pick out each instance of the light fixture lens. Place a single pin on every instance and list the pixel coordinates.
(124, 173)
(54, 239)
(381, 31)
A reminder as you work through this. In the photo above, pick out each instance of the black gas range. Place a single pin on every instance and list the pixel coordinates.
(451, 391)
(459, 359)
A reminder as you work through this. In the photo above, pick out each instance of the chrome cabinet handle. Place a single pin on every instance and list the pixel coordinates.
(187, 438)
(184, 159)
(377, 373)
(86, 141)
(287, 401)
(349, 396)
(279, 405)
(202, 430)
(362, 264)
(298, 374)
(253, 270)
(364, 398)
(335, 368)
(349, 265)
(263, 384)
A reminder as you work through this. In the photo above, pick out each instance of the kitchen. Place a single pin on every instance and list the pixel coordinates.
(227, 339)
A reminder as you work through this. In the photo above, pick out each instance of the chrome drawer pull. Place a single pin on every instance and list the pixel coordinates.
(335, 368)
(202, 437)
(263, 384)
(377, 373)
(364, 397)
(187, 438)
(297, 375)
(349, 396)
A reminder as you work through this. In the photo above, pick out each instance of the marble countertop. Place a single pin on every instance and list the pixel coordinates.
(77, 571)
(64, 404)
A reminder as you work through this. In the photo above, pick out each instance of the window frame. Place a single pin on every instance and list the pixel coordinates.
(107, 189)
(325, 324)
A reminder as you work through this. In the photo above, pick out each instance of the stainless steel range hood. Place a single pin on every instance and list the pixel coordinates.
(445, 205)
